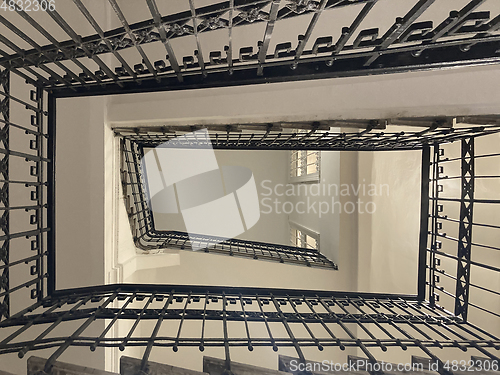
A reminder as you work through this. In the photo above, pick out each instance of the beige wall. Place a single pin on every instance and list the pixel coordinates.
(388, 240)
(440, 92)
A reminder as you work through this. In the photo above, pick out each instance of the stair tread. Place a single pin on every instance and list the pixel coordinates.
(216, 366)
(131, 366)
(394, 370)
(285, 365)
(36, 364)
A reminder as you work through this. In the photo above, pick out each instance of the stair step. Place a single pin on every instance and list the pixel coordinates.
(390, 368)
(217, 366)
(131, 366)
(5, 373)
(426, 361)
(291, 365)
(482, 366)
(484, 362)
(36, 364)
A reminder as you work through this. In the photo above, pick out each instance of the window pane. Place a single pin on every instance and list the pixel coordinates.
(312, 162)
(303, 163)
(294, 237)
(311, 242)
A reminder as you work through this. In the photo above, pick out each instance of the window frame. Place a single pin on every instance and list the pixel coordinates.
(307, 177)
(305, 232)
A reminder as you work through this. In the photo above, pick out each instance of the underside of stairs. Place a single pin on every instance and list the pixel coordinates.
(286, 365)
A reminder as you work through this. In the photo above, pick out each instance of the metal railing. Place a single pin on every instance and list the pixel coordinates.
(24, 196)
(368, 139)
(467, 36)
(442, 310)
(298, 319)
(463, 228)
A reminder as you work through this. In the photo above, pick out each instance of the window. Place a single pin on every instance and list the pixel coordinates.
(301, 236)
(304, 166)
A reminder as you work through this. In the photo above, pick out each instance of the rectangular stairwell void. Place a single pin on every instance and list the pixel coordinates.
(369, 194)
(263, 300)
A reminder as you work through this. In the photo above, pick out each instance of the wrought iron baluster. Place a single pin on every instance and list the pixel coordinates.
(264, 317)
(112, 322)
(242, 304)
(201, 347)
(136, 322)
(284, 321)
(154, 334)
(153, 8)
(50, 362)
(176, 343)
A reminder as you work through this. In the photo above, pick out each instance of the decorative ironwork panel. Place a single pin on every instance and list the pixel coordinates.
(465, 228)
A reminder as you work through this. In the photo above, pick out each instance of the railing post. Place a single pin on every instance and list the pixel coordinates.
(424, 221)
(4, 191)
(465, 228)
(437, 152)
(51, 195)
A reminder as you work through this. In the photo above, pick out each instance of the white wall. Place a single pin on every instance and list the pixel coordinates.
(80, 183)
(388, 239)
